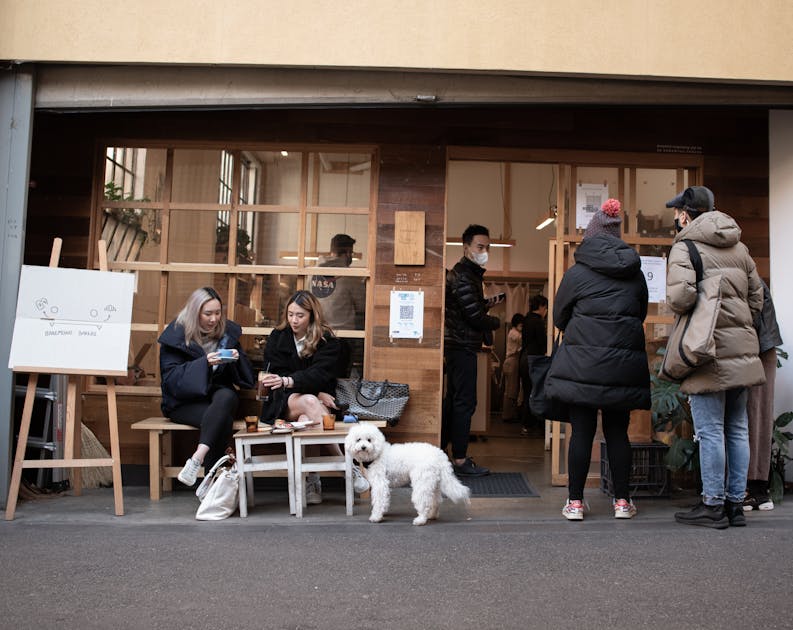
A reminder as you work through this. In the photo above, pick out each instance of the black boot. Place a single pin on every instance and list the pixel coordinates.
(704, 516)
(734, 511)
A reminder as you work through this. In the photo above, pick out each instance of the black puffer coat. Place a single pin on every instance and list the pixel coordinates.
(466, 319)
(601, 305)
(187, 376)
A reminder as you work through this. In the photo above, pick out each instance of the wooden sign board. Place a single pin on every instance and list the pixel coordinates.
(72, 321)
(408, 237)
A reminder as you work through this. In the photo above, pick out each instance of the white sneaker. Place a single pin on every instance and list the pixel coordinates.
(624, 509)
(189, 473)
(313, 489)
(573, 510)
(359, 483)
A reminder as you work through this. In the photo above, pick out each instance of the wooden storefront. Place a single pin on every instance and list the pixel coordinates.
(411, 148)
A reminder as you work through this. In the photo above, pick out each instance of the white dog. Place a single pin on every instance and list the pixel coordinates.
(423, 465)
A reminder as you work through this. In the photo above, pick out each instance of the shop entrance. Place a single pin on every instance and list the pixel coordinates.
(536, 212)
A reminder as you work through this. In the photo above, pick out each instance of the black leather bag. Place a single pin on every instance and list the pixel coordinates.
(540, 405)
(373, 400)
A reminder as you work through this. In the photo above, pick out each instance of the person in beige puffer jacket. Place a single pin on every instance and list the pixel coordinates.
(718, 390)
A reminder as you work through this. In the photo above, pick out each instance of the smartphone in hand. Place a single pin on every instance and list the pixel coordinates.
(496, 299)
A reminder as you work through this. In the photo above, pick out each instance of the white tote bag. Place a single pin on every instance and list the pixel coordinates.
(219, 491)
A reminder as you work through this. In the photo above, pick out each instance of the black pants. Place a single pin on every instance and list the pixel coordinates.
(527, 418)
(460, 402)
(583, 421)
(215, 417)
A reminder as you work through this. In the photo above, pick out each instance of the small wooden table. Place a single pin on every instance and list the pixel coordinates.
(321, 463)
(247, 464)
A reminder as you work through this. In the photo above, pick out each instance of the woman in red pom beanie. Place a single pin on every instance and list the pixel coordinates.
(602, 362)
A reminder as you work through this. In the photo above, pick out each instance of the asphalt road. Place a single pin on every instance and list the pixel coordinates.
(67, 571)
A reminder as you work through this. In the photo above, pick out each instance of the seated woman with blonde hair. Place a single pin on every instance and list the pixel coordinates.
(302, 358)
(199, 383)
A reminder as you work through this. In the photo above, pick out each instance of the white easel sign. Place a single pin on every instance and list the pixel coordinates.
(406, 319)
(588, 199)
(654, 270)
(70, 320)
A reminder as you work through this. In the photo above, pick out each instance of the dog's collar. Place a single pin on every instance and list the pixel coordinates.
(362, 464)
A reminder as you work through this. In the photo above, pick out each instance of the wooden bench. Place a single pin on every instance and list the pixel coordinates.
(161, 472)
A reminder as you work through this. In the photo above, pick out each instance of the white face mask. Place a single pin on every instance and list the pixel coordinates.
(479, 259)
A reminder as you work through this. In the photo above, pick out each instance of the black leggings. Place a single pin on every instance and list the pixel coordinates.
(215, 417)
(583, 421)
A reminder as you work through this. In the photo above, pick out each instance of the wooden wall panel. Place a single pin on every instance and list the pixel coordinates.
(411, 178)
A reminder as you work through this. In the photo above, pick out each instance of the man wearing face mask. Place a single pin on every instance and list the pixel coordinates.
(677, 204)
(466, 325)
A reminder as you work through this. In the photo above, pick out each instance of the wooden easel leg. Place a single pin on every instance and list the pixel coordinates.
(71, 447)
(22, 443)
(115, 452)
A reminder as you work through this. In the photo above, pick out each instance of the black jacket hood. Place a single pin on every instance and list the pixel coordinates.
(608, 255)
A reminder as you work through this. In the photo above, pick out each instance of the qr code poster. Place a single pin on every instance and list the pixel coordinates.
(407, 315)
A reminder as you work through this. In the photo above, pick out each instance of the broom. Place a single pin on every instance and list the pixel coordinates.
(91, 448)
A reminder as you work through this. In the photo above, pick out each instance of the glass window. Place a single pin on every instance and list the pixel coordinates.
(146, 302)
(270, 238)
(197, 175)
(143, 368)
(654, 187)
(182, 284)
(341, 180)
(261, 298)
(271, 178)
(337, 240)
(197, 236)
(134, 174)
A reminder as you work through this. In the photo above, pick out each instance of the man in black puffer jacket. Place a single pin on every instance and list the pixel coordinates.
(466, 324)
(601, 364)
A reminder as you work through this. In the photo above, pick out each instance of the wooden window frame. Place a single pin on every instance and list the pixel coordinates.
(305, 208)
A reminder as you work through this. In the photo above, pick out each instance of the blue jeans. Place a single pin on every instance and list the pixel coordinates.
(722, 428)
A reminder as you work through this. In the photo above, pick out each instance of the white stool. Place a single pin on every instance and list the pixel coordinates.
(247, 464)
(321, 464)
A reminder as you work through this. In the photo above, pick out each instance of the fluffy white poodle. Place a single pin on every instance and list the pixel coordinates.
(423, 465)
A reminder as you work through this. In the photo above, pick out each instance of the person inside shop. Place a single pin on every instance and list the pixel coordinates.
(534, 343)
(760, 410)
(509, 406)
(467, 325)
(718, 390)
(202, 366)
(601, 363)
(343, 298)
(301, 361)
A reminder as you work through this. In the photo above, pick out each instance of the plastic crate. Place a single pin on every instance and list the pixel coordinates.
(649, 475)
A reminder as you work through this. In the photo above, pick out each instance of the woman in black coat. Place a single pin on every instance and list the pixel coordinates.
(302, 358)
(199, 384)
(602, 361)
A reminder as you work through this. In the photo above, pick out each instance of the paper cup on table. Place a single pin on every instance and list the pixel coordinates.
(328, 422)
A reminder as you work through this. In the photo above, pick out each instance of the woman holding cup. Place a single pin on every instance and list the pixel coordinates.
(202, 364)
(302, 355)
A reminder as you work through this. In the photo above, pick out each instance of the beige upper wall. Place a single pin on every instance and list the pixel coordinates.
(718, 39)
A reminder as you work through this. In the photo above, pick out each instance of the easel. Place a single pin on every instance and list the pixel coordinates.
(72, 433)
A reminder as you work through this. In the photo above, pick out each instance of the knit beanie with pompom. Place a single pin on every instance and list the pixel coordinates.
(607, 220)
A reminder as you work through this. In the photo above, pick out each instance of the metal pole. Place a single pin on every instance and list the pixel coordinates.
(16, 132)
